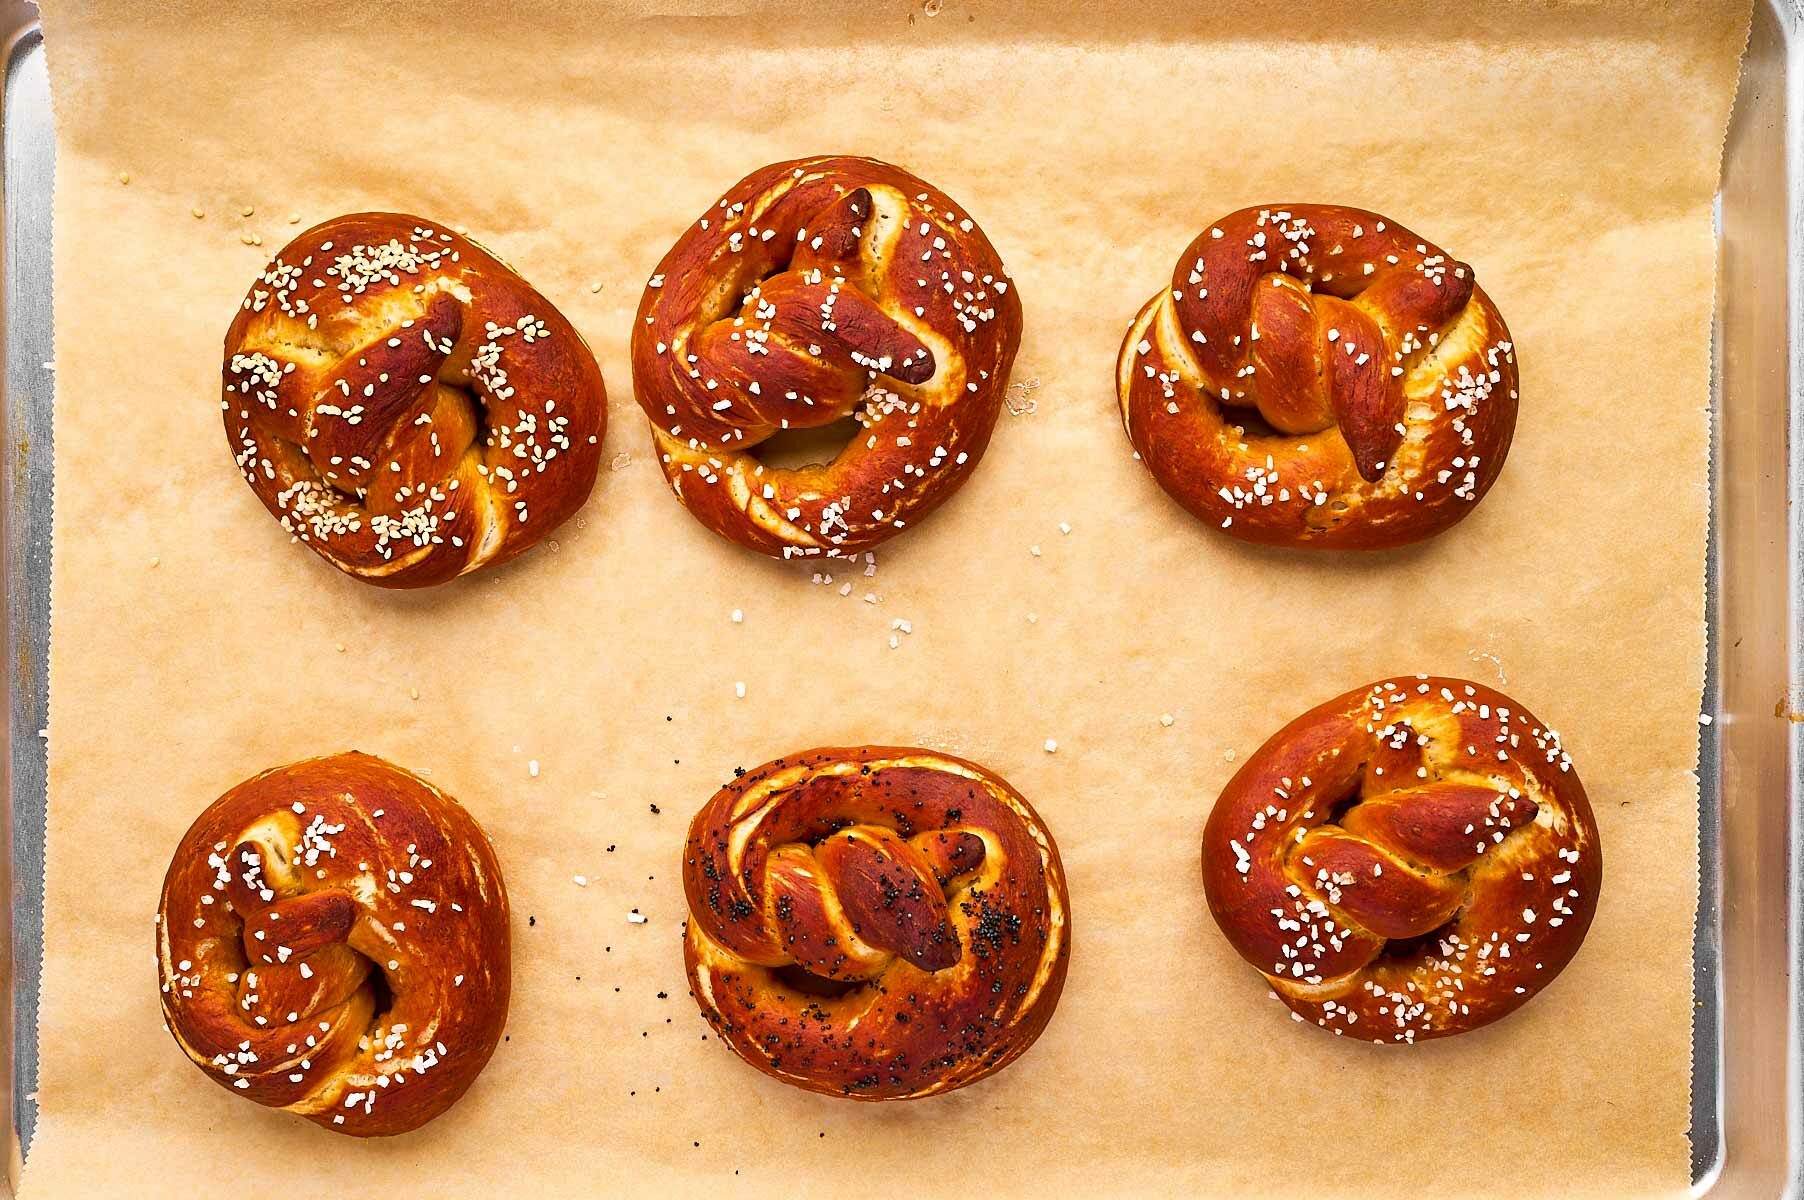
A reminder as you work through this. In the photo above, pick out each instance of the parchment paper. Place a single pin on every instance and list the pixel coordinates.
(1568, 151)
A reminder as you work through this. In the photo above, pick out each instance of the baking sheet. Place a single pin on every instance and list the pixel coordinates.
(192, 646)
(27, 159)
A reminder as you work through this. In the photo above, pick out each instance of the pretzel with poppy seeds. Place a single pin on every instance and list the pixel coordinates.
(405, 404)
(877, 922)
(812, 291)
(1318, 376)
(332, 940)
(1411, 860)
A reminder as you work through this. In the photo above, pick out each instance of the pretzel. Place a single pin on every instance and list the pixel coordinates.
(1319, 376)
(816, 290)
(405, 404)
(876, 922)
(1411, 860)
(332, 940)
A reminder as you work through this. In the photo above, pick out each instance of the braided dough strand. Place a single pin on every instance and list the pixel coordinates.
(1319, 376)
(332, 940)
(812, 291)
(1412, 860)
(875, 922)
(405, 404)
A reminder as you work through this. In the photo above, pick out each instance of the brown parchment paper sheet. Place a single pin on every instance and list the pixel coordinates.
(1568, 151)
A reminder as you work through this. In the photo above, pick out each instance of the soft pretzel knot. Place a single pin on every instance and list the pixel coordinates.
(405, 404)
(333, 940)
(1320, 376)
(877, 922)
(1411, 860)
(816, 290)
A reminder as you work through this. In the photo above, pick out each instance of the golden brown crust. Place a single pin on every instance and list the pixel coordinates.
(405, 404)
(875, 922)
(814, 290)
(1411, 860)
(332, 940)
(1319, 376)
